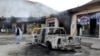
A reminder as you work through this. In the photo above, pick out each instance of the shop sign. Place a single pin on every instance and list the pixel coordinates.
(50, 20)
(84, 20)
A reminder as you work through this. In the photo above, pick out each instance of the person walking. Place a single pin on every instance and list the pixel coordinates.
(18, 32)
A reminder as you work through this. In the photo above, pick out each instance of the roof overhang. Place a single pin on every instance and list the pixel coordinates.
(85, 7)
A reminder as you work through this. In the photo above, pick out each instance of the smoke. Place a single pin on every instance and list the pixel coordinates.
(24, 19)
(24, 8)
(37, 19)
(25, 11)
(64, 19)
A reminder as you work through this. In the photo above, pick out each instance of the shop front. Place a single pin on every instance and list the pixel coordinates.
(86, 20)
(88, 24)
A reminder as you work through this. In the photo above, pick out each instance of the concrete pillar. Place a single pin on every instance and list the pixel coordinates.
(74, 26)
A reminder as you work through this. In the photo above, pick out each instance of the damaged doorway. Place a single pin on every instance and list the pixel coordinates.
(92, 27)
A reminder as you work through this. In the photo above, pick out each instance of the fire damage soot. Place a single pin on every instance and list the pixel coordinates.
(38, 50)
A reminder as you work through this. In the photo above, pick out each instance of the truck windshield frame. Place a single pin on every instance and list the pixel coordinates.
(58, 31)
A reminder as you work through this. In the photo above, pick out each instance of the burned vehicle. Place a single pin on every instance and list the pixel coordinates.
(56, 38)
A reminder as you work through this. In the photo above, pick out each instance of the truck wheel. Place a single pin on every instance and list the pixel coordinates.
(49, 46)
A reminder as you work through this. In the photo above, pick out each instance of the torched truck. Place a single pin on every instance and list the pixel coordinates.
(55, 38)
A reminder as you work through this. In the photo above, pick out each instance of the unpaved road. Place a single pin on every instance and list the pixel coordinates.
(9, 48)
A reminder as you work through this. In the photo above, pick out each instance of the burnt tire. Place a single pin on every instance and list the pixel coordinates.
(49, 46)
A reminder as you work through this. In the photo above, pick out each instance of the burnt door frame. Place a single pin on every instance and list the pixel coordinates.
(43, 35)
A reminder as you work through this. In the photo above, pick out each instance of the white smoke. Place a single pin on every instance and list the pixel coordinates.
(23, 8)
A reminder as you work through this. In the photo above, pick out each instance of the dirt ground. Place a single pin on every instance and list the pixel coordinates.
(8, 47)
(8, 44)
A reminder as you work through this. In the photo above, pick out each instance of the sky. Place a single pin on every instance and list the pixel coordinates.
(61, 5)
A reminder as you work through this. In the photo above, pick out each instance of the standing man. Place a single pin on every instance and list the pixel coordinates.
(18, 32)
